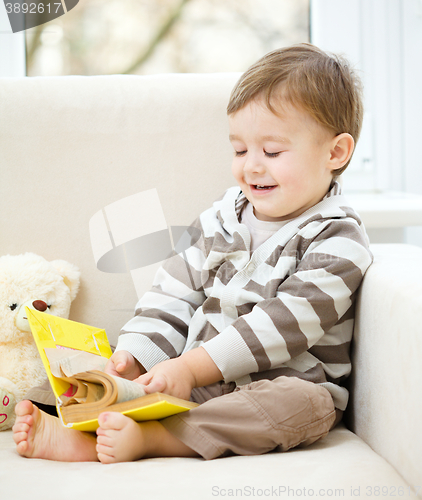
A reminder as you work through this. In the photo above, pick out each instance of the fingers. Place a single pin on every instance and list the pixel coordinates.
(110, 367)
(157, 384)
(121, 364)
(144, 379)
(117, 363)
(152, 382)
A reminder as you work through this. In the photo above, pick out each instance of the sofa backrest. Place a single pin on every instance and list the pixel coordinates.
(71, 146)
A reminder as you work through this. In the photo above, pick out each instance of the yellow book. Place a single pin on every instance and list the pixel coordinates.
(81, 395)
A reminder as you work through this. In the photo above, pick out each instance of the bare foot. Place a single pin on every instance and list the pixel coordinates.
(39, 435)
(121, 439)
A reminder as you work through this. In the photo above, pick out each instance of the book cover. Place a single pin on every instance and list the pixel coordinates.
(56, 335)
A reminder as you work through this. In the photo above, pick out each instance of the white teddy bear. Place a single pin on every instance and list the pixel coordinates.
(28, 280)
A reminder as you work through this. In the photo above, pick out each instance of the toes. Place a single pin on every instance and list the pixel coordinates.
(118, 438)
(20, 427)
(105, 459)
(22, 447)
(105, 440)
(18, 437)
(24, 408)
(21, 430)
(105, 454)
(112, 420)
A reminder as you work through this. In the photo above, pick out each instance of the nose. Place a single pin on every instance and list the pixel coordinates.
(39, 305)
(253, 164)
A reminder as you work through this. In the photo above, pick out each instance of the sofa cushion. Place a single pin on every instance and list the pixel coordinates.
(341, 464)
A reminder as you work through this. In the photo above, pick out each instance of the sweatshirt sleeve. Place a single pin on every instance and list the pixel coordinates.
(306, 305)
(159, 328)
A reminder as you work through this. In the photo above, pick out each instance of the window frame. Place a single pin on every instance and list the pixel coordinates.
(12, 48)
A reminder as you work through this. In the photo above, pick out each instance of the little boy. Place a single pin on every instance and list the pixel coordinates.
(255, 321)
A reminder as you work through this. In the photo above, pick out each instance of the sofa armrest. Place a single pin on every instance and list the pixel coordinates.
(386, 402)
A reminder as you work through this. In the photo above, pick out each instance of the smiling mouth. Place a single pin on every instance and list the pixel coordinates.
(260, 187)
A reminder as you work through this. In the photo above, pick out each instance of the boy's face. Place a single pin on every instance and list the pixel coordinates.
(281, 162)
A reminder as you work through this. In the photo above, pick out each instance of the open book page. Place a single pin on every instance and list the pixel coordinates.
(65, 362)
(95, 392)
(81, 392)
(128, 389)
(84, 391)
(78, 392)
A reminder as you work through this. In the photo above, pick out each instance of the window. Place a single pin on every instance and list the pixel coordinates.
(384, 39)
(148, 36)
(345, 28)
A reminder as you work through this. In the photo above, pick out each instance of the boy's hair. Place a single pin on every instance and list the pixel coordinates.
(321, 84)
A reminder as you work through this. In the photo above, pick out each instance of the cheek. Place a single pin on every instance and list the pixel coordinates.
(293, 172)
(288, 177)
(295, 184)
(237, 169)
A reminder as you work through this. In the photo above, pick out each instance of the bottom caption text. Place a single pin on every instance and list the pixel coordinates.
(289, 492)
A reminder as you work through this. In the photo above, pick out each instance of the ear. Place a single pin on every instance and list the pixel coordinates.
(341, 150)
(71, 275)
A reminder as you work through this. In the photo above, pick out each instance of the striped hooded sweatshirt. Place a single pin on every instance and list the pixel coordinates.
(285, 309)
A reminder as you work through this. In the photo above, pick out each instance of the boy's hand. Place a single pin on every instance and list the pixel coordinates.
(177, 377)
(123, 364)
(171, 377)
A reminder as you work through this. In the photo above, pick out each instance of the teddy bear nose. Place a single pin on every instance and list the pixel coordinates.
(39, 305)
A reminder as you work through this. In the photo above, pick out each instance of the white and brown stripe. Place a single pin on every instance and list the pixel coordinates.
(285, 310)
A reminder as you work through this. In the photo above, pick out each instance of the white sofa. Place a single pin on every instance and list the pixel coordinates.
(70, 146)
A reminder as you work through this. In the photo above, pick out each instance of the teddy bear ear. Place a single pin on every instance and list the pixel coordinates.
(71, 275)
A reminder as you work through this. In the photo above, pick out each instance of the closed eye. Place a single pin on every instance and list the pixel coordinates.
(268, 155)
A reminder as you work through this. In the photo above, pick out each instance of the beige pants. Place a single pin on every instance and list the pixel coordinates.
(255, 418)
